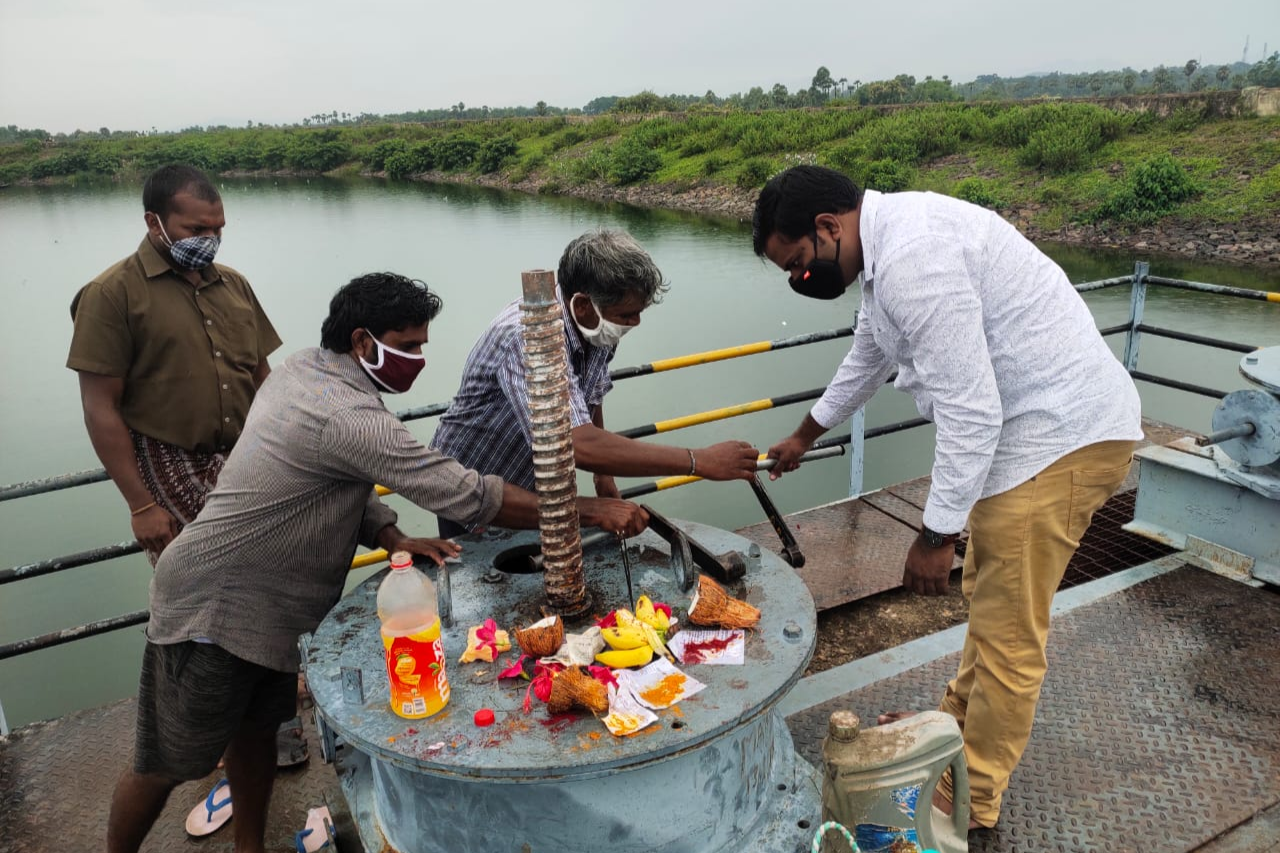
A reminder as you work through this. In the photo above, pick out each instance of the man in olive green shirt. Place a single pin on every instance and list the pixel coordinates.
(170, 349)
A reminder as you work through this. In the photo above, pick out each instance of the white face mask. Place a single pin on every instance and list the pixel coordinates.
(606, 334)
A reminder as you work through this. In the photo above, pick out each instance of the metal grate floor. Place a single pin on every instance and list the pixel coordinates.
(1157, 728)
(56, 780)
(1107, 548)
(855, 548)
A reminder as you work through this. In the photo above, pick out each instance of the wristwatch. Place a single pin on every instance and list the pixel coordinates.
(934, 539)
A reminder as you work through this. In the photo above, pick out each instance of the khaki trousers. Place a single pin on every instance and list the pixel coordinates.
(1019, 545)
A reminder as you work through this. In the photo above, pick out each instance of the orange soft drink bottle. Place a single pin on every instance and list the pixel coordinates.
(411, 639)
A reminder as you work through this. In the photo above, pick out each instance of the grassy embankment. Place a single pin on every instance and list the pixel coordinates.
(1050, 166)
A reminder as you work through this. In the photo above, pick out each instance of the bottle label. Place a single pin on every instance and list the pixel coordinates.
(874, 838)
(415, 668)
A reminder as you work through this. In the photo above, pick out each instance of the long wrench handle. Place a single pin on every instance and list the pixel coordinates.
(790, 548)
(626, 570)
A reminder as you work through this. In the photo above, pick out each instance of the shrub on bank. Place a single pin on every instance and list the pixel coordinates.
(1057, 137)
(494, 153)
(376, 159)
(1150, 191)
(915, 136)
(887, 176)
(413, 160)
(632, 160)
(315, 152)
(980, 192)
(753, 174)
(455, 152)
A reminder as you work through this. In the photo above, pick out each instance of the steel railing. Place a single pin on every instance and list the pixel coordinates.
(1133, 329)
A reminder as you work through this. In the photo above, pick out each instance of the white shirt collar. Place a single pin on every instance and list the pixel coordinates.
(866, 229)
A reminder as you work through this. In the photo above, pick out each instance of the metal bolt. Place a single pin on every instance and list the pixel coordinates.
(1250, 359)
(753, 556)
(493, 576)
(792, 631)
(352, 686)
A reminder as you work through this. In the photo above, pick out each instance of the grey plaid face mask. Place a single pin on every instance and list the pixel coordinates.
(191, 253)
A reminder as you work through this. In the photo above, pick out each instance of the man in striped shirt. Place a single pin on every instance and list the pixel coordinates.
(1036, 419)
(605, 281)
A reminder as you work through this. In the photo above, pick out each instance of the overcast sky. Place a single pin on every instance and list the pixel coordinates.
(138, 64)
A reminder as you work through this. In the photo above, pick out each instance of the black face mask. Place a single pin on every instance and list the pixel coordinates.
(821, 279)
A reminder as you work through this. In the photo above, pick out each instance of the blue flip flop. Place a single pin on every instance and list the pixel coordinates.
(209, 816)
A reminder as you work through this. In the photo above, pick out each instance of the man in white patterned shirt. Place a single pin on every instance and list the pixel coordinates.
(605, 281)
(1036, 419)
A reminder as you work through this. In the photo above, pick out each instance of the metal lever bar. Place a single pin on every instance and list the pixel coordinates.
(1237, 431)
(812, 455)
(790, 548)
(725, 568)
(626, 570)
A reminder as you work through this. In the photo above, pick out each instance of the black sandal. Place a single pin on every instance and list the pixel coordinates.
(291, 744)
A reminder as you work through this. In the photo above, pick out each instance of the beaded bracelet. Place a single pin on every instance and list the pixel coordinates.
(693, 465)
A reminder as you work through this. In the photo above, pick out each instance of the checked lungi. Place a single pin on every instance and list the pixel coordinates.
(179, 480)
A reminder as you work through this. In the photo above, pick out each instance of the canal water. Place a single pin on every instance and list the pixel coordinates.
(298, 240)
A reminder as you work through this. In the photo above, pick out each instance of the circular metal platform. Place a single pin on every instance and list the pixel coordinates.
(717, 772)
(1262, 367)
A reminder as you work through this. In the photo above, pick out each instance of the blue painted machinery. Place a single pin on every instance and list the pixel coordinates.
(1218, 497)
(718, 772)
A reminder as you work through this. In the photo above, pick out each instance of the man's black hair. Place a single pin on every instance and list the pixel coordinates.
(792, 199)
(377, 302)
(167, 181)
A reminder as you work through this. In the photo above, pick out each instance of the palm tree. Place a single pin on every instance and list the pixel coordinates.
(1189, 69)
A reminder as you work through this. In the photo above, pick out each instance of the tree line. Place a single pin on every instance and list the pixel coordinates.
(824, 89)
(886, 150)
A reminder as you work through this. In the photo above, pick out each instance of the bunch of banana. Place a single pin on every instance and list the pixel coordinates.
(621, 658)
(631, 641)
(623, 638)
(655, 642)
(648, 614)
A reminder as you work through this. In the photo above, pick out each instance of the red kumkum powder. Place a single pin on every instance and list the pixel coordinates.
(704, 650)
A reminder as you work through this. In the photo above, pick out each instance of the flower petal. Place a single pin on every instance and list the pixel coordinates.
(604, 675)
(516, 670)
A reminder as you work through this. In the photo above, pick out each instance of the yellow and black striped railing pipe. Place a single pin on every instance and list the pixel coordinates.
(677, 362)
(823, 449)
(721, 414)
(709, 416)
(1220, 289)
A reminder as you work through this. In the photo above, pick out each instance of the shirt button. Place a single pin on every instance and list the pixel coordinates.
(224, 386)
(208, 322)
(217, 353)
(226, 420)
